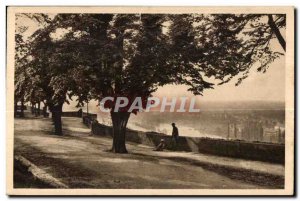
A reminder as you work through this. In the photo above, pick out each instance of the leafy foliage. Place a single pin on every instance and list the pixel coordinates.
(94, 55)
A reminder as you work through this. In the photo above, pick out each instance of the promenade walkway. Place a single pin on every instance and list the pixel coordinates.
(83, 161)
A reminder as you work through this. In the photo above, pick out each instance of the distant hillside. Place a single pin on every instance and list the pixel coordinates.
(217, 105)
(242, 105)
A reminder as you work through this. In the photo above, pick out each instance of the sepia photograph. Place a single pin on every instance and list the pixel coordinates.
(150, 101)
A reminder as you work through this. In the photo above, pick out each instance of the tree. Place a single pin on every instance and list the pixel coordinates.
(20, 72)
(63, 63)
(25, 90)
(243, 40)
(51, 66)
(131, 55)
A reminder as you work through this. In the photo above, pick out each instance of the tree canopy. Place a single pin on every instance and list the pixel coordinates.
(92, 56)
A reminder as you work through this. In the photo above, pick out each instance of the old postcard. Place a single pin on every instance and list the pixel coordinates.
(150, 101)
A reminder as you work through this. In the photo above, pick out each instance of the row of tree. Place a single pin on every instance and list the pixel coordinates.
(91, 56)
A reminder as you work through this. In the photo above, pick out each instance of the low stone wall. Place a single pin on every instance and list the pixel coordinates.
(231, 148)
(71, 114)
(88, 118)
(78, 114)
(90, 115)
(38, 112)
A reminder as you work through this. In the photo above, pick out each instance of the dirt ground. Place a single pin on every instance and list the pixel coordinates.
(83, 161)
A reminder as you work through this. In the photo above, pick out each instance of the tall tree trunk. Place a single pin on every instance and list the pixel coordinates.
(276, 31)
(53, 117)
(87, 108)
(32, 107)
(39, 108)
(119, 120)
(45, 110)
(50, 105)
(35, 110)
(22, 107)
(56, 116)
(16, 108)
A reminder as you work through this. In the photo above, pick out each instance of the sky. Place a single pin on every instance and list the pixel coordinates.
(269, 86)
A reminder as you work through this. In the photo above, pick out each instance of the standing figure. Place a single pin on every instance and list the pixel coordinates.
(175, 134)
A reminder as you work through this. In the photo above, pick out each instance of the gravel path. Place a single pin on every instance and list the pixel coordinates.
(82, 161)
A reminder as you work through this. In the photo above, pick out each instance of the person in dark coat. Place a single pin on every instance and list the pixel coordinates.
(175, 134)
